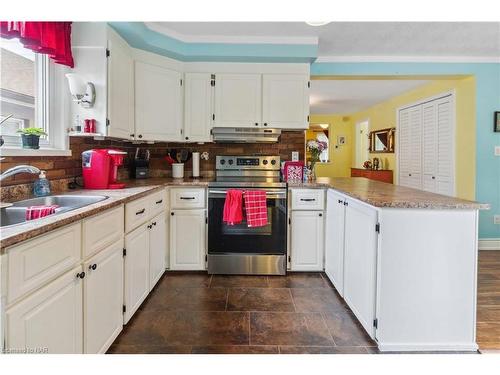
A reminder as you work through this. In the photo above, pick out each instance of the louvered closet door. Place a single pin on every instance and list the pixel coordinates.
(415, 120)
(430, 143)
(404, 147)
(445, 147)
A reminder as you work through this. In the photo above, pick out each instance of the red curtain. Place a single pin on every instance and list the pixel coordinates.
(50, 38)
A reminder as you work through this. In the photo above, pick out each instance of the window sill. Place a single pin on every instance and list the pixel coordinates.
(16, 151)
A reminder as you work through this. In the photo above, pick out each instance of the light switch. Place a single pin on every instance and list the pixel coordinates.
(496, 219)
(497, 150)
(295, 156)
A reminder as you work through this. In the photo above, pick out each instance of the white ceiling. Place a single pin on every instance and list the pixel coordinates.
(349, 96)
(341, 39)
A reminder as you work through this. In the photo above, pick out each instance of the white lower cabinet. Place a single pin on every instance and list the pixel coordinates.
(334, 239)
(136, 286)
(360, 262)
(50, 320)
(157, 249)
(307, 241)
(103, 298)
(187, 239)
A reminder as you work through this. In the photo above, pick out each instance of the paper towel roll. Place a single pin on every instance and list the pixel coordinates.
(196, 164)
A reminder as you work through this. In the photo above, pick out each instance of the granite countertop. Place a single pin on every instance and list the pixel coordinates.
(135, 189)
(381, 194)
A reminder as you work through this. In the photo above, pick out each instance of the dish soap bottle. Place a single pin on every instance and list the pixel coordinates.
(41, 187)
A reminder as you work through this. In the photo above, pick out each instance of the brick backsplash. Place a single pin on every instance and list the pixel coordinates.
(66, 168)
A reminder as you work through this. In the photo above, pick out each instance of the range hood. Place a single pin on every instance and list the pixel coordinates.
(246, 135)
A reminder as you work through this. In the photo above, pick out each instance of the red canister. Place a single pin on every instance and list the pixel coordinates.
(86, 128)
(92, 125)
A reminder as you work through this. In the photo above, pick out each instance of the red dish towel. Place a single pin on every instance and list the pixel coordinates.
(37, 212)
(256, 208)
(233, 207)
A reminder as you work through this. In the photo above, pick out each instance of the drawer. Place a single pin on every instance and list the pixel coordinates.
(101, 230)
(137, 212)
(183, 198)
(308, 199)
(157, 202)
(34, 263)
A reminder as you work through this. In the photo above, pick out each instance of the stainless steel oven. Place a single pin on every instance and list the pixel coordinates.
(239, 249)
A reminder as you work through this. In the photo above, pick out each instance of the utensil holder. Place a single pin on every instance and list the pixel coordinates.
(178, 170)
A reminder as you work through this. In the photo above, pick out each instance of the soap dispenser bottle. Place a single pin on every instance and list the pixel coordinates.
(41, 186)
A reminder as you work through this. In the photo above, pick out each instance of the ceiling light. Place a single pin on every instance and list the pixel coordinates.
(318, 23)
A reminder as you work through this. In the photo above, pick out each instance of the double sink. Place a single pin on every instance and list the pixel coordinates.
(16, 213)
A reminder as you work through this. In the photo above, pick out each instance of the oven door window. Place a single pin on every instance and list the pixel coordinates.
(241, 239)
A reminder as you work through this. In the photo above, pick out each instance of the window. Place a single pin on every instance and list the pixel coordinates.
(32, 94)
(319, 132)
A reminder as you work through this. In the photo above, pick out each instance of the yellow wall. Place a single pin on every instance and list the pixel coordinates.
(341, 156)
(383, 115)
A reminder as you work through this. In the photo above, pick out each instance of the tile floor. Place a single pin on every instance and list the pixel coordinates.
(199, 313)
(297, 313)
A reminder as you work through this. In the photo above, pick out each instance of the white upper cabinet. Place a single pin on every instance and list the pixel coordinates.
(285, 101)
(198, 107)
(158, 103)
(120, 88)
(238, 100)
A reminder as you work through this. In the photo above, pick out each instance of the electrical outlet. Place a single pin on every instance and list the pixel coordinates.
(497, 150)
(496, 219)
(295, 156)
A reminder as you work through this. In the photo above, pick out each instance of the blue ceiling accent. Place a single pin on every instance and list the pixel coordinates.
(138, 35)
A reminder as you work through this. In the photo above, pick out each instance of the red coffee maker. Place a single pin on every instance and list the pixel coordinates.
(100, 167)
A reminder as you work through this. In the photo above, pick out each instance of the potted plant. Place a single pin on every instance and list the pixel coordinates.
(31, 137)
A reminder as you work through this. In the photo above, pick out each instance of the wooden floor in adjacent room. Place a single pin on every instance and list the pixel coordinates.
(488, 301)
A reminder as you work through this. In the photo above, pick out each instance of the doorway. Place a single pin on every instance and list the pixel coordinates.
(362, 132)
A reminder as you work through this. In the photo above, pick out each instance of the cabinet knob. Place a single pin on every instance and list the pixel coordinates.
(132, 135)
(341, 201)
(93, 267)
(80, 275)
(154, 223)
(433, 177)
(409, 174)
(140, 135)
(256, 124)
(265, 124)
(187, 138)
(150, 226)
(320, 214)
(172, 214)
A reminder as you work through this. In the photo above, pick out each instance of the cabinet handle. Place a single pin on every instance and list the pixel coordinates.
(307, 199)
(341, 201)
(140, 135)
(93, 266)
(187, 198)
(140, 212)
(150, 226)
(346, 204)
(154, 223)
(158, 202)
(132, 135)
(80, 275)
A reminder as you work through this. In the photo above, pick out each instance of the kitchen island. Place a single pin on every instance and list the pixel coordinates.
(404, 260)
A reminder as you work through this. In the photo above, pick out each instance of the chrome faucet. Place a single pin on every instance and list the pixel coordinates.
(19, 169)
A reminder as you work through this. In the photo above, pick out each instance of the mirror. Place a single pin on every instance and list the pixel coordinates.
(382, 140)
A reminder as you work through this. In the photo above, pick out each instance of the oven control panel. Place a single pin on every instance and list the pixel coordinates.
(224, 162)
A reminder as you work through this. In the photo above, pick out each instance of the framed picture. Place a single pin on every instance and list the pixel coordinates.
(496, 123)
(341, 140)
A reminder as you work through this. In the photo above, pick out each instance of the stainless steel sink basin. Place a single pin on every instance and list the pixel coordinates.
(16, 214)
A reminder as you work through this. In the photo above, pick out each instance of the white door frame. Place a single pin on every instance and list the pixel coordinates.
(367, 120)
(444, 94)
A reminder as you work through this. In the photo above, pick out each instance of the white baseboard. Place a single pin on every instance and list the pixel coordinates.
(419, 347)
(489, 244)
